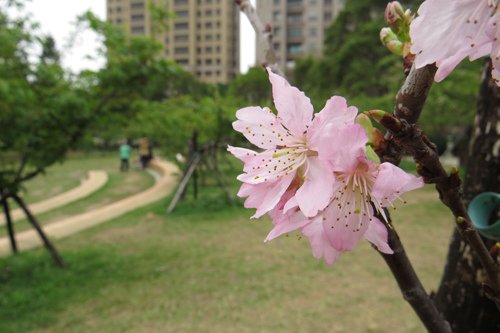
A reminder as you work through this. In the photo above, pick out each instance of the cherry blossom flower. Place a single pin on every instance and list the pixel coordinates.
(447, 31)
(290, 142)
(361, 191)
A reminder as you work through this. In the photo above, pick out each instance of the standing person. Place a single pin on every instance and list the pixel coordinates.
(125, 151)
(144, 152)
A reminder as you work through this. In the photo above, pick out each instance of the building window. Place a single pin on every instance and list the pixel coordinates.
(208, 61)
(295, 48)
(313, 32)
(181, 50)
(294, 18)
(208, 25)
(208, 38)
(118, 9)
(276, 31)
(217, 61)
(276, 16)
(181, 13)
(294, 33)
(208, 13)
(138, 17)
(181, 38)
(217, 37)
(182, 61)
(137, 5)
(181, 25)
(276, 2)
(208, 49)
(138, 30)
(181, 2)
(277, 46)
(208, 73)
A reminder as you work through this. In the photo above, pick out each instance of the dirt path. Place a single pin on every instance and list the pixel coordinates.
(71, 225)
(95, 180)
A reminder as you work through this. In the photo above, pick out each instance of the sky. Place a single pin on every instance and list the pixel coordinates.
(57, 18)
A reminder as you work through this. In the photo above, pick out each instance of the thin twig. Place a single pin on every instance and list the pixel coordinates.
(263, 34)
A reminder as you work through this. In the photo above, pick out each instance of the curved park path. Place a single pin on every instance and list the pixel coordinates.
(71, 225)
(94, 181)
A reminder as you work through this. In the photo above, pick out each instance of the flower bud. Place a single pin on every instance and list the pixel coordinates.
(391, 41)
(394, 13)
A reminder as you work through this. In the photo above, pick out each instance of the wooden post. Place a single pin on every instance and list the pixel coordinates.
(55, 255)
(10, 226)
(195, 172)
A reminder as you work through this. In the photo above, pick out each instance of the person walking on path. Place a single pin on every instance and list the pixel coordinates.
(144, 152)
(125, 151)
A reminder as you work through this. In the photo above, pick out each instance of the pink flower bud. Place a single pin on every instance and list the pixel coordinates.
(394, 13)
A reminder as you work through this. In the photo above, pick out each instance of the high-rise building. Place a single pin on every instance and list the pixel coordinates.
(202, 35)
(298, 26)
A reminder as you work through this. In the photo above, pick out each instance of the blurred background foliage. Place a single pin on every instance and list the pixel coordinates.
(46, 111)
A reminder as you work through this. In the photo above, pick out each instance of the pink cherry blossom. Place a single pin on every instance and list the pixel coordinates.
(362, 188)
(361, 191)
(290, 149)
(447, 31)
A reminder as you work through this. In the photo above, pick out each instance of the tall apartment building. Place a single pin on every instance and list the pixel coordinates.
(298, 26)
(203, 35)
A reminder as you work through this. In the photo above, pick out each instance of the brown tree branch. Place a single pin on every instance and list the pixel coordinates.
(263, 34)
(413, 141)
(410, 101)
(412, 289)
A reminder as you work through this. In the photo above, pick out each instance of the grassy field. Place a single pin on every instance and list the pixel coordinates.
(205, 268)
(62, 177)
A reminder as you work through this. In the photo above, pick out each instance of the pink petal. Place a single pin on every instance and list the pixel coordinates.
(317, 189)
(391, 182)
(377, 235)
(320, 245)
(264, 196)
(446, 31)
(285, 223)
(294, 107)
(261, 128)
(243, 154)
(342, 229)
(292, 203)
(343, 147)
(335, 114)
(264, 167)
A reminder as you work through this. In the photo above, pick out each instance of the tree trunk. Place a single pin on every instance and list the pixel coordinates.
(58, 260)
(8, 222)
(459, 296)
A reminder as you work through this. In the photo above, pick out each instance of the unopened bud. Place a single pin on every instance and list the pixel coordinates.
(376, 137)
(391, 41)
(394, 13)
(365, 122)
(385, 119)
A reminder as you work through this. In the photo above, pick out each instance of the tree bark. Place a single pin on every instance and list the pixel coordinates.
(460, 296)
(55, 255)
(10, 226)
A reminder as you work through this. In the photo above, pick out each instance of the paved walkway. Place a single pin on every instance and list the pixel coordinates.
(95, 180)
(56, 230)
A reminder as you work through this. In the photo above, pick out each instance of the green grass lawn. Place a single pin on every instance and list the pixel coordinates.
(205, 268)
(62, 177)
